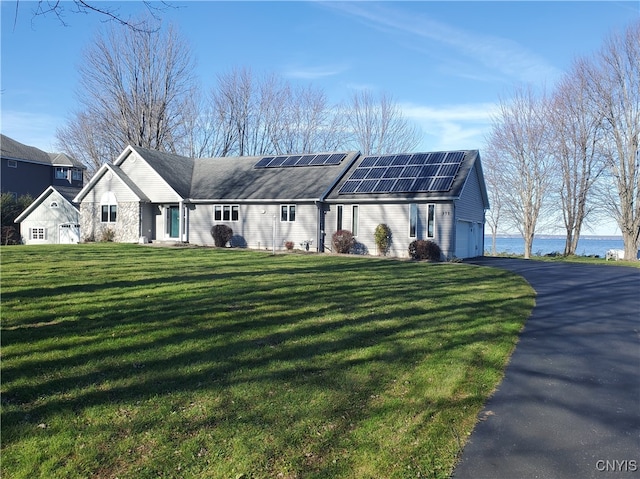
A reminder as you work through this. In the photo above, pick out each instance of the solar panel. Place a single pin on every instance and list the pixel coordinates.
(376, 172)
(287, 161)
(305, 160)
(417, 160)
(421, 184)
(368, 161)
(277, 161)
(410, 171)
(319, 160)
(349, 187)
(449, 169)
(393, 172)
(406, 173)
(442, 183)
(263, 162)
(402, 185)
(335, 159)
(384, 161)
(360, 174)
(291, 161)
(367, 186)
(383, 186)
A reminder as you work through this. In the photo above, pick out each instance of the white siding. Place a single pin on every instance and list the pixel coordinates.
(148, 180)
(396, 217)
(469, 215)
(110, 182)
(44, 216)
(254, 228)
(470, 206)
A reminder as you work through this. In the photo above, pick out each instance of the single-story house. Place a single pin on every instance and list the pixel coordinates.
(52, 218)
(148, 195)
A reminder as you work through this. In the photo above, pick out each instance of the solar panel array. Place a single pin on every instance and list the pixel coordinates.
(408, 173)
(300, 160)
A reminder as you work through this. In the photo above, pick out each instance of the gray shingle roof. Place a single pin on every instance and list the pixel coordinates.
(236, 178)
(176, 170)
(14, 150)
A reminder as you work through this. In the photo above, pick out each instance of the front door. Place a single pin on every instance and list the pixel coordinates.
(173, 218)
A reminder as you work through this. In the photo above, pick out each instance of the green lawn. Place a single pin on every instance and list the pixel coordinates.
(130, 361)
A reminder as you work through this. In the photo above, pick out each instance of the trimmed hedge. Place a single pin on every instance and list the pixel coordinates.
(425, 249)
(343, 241)
(222, 234)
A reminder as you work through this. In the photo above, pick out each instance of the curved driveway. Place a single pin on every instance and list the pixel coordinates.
(569, 404)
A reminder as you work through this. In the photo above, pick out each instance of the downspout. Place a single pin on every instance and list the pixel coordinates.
(181, 220)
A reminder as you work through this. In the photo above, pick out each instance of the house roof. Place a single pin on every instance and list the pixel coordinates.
(237, 178)
(14, 150)
(176, 170)
(66, 193)
(256, 178)
(469, 159)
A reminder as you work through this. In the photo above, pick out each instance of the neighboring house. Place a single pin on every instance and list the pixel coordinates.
(148, 195)
(29, 170)
(52, 218)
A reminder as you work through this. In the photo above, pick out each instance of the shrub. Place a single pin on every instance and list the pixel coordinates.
(382, 236)
(107, 235)
(421, 249)
(288, 245)
(342, 241)
(222, 234)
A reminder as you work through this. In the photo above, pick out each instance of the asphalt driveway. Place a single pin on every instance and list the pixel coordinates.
(569, 404)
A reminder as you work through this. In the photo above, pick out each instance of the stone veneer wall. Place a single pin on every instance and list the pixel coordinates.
(126, 227)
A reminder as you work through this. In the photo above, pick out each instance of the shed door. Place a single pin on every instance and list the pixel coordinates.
(69, 234)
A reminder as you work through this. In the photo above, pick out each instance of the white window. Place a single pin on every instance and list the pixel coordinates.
(76, 175)
(54, 204)
(109, 208)
(288, 213)
(431, 214)
(226, 213)
(354, 220)
(61, 173)
(12, 163)
(38, 233)
(413, 220)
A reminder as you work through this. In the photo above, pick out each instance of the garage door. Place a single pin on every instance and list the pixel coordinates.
(69, 234)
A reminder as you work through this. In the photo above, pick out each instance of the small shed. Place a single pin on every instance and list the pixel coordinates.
(52, 218)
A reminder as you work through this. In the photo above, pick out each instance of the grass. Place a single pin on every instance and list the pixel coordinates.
(135, 362)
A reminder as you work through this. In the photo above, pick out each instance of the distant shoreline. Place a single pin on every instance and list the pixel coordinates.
(556, 237)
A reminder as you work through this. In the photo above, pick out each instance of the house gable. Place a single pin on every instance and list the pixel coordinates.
(50, 205)
(162, 177)
(109, 178)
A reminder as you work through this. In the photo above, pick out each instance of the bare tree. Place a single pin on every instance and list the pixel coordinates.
(135, 88)
(262, 115)
(520, 144)
(491, 167)
(377, 125)
(613, 85)
(577, 133)
(60, 9)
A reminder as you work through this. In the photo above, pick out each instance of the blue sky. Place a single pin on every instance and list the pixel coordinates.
(446, 63)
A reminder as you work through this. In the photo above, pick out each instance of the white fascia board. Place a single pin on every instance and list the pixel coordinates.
(34, 204)
(259, 201)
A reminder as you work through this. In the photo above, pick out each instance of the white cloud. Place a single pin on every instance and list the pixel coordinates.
(451, 127)
(314, 72)
(497, 54)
